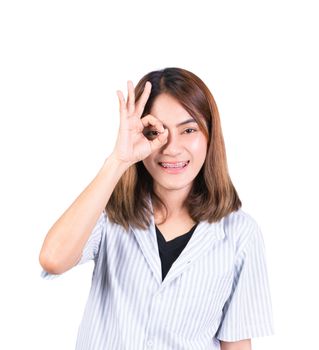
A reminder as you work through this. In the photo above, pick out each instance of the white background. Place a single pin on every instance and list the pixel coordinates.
(61, 64)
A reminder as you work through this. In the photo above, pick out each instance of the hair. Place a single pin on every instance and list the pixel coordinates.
(212, 195)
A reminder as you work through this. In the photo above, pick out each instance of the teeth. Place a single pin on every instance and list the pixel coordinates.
(176, 165)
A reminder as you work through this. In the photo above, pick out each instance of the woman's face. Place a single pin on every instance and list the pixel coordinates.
(185, 151)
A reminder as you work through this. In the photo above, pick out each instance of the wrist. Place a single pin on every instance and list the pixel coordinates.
(117, 163)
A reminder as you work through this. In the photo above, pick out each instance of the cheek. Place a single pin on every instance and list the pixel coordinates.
(148, 161)
(199, 147)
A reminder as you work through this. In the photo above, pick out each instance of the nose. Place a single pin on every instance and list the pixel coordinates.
(173, 146)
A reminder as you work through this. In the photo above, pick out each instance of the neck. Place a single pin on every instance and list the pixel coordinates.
(173, 200)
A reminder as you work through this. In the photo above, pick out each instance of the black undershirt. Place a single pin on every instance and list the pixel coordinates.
(169, 251)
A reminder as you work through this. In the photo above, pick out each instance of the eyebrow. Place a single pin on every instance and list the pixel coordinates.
(190, 120)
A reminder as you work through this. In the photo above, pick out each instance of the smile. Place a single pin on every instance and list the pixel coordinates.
(174, 165)
(174, 168)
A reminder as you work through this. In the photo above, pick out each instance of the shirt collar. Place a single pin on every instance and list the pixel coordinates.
(204, 238)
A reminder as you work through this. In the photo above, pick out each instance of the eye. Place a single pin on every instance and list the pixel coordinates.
(151, 133)
(190, 132)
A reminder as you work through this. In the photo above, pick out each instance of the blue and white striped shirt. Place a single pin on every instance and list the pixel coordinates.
(217, 289)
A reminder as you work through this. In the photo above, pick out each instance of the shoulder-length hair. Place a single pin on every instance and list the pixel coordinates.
(212, 195)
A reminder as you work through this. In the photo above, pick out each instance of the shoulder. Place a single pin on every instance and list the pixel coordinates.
(240, 219)
(102, 220)
(241, 228)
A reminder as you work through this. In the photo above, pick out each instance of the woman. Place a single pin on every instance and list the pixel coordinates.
(178, 263)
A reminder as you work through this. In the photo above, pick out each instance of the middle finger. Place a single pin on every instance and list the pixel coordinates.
(131, 98)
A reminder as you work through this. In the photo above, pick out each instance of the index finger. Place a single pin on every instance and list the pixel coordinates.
(143, 99)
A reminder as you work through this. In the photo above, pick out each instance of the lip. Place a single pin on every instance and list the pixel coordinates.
(174, 170)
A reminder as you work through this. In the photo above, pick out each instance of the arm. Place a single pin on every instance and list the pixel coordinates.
(236, 345)
(64, 243)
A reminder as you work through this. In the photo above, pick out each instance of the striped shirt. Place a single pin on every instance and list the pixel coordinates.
(217, 288)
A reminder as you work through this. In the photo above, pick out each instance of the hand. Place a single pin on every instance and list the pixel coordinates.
(131, 144)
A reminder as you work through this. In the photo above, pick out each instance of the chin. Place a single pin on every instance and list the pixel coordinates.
(174, 185)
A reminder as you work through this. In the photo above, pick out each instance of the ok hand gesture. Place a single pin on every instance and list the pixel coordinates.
(131, 144)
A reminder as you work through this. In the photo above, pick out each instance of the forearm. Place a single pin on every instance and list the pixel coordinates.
(65, 240)
(237, 345)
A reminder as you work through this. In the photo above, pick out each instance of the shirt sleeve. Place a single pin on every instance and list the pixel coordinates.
(91, 248)
(247, 312)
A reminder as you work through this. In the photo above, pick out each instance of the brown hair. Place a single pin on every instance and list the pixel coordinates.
(212, 195)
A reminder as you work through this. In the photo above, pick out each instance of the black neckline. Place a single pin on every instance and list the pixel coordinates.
(176, 240)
